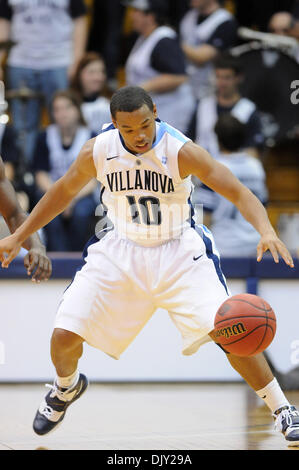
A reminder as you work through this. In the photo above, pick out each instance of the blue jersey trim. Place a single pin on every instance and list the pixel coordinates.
(204, 233)
(109, 128)
(173, 132)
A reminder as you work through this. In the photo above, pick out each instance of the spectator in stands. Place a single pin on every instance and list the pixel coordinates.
(228, 99)
(205, 30)
(50, 40)
(89, 82)
(57, 147)
(233, 235)
(157, 64)
(280, 23)
(285, 24)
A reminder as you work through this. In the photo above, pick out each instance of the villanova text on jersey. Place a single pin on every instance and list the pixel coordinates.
(139, 179)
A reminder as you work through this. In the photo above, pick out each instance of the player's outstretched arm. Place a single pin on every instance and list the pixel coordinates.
(194, 160)
(36, 261)
(54, 201)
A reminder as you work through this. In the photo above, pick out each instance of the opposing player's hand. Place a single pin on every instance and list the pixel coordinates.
(9, 248)
(277, 248)
(38, 264)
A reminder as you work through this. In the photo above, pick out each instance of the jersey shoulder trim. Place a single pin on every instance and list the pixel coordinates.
(166, 128)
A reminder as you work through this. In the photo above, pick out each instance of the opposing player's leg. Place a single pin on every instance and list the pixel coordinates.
(69, 385)
(257, 373)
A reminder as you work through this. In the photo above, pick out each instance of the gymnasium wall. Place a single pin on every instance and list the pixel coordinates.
(28, 312)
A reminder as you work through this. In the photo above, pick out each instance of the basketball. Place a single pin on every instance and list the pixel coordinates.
(245, 325)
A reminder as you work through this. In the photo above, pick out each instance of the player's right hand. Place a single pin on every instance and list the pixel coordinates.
(9, 248)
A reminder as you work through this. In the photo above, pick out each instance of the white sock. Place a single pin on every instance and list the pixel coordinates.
(68, 382)
(273, 396)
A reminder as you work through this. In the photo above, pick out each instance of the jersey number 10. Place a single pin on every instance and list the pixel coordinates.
(148, 208)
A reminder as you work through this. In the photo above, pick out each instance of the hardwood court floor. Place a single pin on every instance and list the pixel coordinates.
(145, 416)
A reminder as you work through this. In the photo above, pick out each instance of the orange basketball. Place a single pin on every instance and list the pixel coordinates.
(245, 325)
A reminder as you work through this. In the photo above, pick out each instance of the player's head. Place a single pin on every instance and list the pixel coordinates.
(146, 14)
(133, 114)
(230, 133)
(66, 109)
(228, 74)
(90, 75)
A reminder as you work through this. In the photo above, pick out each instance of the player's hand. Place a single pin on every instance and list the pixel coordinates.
(272, 243)
(9, 248)
(37, 262)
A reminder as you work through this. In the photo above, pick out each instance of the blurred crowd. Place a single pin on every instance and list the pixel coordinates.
(219, 71)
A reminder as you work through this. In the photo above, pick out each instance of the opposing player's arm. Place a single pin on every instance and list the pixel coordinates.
(197, 161)
(36, 262)
(10, 208)
(55, 201)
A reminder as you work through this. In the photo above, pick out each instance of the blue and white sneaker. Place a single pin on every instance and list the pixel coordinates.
(287, 422)
(52, 409)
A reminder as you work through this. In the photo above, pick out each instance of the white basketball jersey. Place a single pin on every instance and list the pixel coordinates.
(146, 199)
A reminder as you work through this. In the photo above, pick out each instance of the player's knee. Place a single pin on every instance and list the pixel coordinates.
(63, 340)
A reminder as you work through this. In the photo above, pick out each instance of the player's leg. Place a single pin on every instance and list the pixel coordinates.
(257, 373)
(69, 384)
(105, 293)
(66, 350)
(192, 307)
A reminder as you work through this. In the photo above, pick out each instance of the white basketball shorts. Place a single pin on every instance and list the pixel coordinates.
(122, 284)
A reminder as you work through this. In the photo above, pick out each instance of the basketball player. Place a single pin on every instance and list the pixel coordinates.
(36, 262)
(152, 257)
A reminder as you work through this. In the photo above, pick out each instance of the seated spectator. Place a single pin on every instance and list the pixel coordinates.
(233, 235)
(50, 38)
(57, 147)
(227, 99)
(89, 82)
(205, 30)
(285, 24)
(280, 23)
(156, 63)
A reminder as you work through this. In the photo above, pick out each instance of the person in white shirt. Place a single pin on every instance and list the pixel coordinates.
(157, 64)
(205, 30)
(50, 39)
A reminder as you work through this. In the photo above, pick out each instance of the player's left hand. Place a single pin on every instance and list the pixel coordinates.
(272, 243)
(38, 265)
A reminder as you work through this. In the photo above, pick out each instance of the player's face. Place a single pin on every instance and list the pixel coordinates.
(93, 77)
(227, 81)
(65, 113)
(138, 128)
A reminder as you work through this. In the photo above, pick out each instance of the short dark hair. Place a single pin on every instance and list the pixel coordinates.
(230, 132)
(129, 99)
(227, 61)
